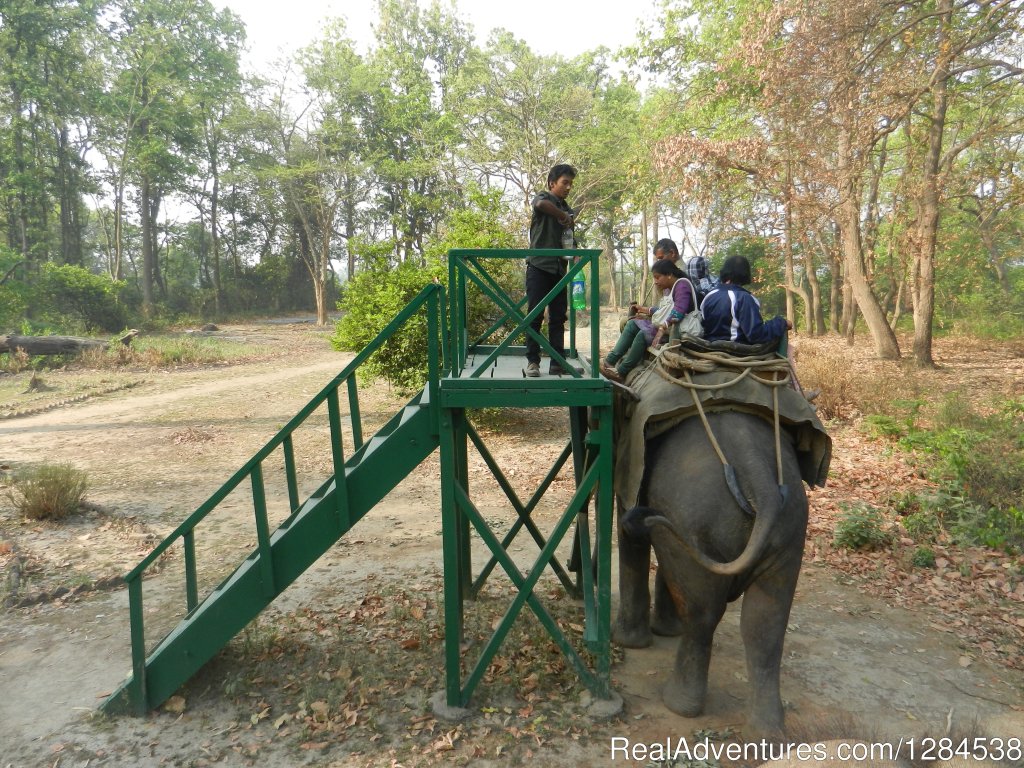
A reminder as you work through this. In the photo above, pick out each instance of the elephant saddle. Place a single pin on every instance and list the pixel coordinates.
(751, 379)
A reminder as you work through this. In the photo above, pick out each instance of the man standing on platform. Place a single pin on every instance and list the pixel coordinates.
(550, 227)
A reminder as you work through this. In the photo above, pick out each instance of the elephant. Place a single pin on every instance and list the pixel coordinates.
(710, 552)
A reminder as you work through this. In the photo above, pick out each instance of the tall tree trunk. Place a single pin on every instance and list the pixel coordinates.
(320, 281)
(148, 252)
(886, 345)
(995, 259)
(117, 270)
(609, 254)
(836, 292)
(928, 218)
(215, 242)
(787, 250)
(70, 244)
(816, 310)
(350, 224)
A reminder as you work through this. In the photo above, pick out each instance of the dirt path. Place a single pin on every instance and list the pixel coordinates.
(155, 452)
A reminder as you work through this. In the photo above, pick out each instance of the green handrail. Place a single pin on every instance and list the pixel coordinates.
(347, 373)
(433, 296)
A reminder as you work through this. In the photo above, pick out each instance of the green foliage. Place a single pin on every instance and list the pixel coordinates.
(74, 292)
(978, 463)
(861, 526)
(375, 296)
(991, 315)
(372, 300)
(48, 492)
(481, 224)
(882, 425)
(922, 526)
(923, 557)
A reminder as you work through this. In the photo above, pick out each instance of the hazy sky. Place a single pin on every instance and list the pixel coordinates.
(566, 27)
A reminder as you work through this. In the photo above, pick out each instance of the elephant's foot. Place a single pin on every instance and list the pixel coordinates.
(684, 700)
(631, 635)
(766, 722)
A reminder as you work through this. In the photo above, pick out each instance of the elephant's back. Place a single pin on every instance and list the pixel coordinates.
(686, 480)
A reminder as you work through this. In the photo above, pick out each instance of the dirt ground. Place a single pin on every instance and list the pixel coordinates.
(156, 444)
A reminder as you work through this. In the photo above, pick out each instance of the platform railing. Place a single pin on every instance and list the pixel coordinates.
(467, 266)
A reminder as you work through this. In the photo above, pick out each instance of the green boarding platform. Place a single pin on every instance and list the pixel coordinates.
(464, 373)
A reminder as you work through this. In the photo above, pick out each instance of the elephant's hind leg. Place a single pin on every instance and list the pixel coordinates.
(668, 607)
(766, 606)
(687, 688)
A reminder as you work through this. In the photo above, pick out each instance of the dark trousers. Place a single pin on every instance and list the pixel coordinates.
(538, 284)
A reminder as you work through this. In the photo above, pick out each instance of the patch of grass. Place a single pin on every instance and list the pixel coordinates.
(167, 351)
(15, 362)
(48, 492)
(835, 380)
(922, 526)
(861, 526)
(848, 392)
(879, 425)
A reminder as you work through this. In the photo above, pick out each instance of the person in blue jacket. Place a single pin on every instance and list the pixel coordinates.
(731, 313)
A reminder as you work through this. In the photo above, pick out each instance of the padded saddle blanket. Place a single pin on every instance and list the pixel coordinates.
(663, 404)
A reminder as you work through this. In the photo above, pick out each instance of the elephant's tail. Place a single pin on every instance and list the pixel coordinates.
(752, 553)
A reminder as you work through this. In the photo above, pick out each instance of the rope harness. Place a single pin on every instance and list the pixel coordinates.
(675, 364)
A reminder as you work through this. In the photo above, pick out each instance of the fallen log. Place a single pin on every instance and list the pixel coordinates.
(57, 345)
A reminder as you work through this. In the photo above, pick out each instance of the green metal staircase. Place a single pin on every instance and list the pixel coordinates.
(360, 481)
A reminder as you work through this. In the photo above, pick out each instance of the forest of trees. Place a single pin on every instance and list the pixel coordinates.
(866, 154)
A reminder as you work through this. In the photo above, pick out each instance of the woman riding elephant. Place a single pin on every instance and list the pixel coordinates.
(649, 324)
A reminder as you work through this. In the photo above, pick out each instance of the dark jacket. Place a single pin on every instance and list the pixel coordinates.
(731, 313)
(546, 232)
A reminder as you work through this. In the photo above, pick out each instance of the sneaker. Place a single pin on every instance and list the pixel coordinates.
(612, 374)
(533, 370)
(557, 370)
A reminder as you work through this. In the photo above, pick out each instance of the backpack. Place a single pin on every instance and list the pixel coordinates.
(701, 278)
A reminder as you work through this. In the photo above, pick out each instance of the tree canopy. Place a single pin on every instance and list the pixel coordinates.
(869, 152)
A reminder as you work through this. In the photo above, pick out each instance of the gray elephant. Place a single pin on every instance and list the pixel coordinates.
(710, 552)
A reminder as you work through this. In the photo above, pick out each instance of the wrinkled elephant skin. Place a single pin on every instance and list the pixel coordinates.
(710, 552)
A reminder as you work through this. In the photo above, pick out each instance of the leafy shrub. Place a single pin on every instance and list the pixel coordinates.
(861, 527)
(992, 315)
(16, 361)
(374, 297)
(978, 463)
(923, 557)
(76, 292)
(372, 300)
(880, 425)
(991, 527)
(165, 351)
(48, 492)
(922, 526)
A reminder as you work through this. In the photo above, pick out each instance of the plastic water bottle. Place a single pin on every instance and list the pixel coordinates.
(568, 241)
(579, 293)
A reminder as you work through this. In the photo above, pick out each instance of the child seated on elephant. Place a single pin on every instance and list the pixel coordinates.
(649, 324)
(731, 313)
